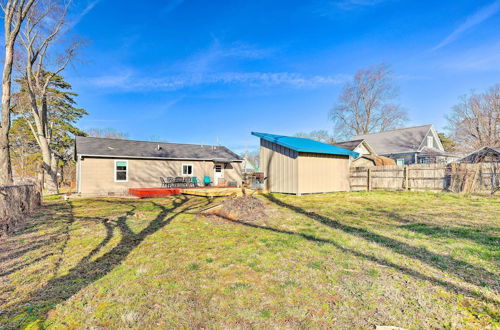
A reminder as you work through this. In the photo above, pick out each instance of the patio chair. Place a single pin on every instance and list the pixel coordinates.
(163, 182)
(207, 181)
(178, 181)
(187, 181)
(170, 182)
(194, 181)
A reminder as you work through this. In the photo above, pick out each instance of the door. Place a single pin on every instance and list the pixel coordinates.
(218, 173)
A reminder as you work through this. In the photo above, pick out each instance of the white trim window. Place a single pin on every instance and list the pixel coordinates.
(430, 142)
(187, 169)
(121, 170)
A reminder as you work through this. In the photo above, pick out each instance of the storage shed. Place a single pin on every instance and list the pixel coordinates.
(296, 165)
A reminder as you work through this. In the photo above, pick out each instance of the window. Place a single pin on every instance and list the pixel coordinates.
(218, 168)
(121, 171)
(400, 161)
(187, 169)
(430, 141)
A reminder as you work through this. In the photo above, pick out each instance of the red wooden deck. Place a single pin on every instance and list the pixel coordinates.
(154, 192)
(163, 192)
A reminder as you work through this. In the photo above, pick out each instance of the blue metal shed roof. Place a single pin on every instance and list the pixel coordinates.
(305, 145)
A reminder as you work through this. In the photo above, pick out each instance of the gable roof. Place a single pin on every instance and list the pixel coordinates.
(493, 153)
(397, 141)
(353, 144)
(118, 148)
(305, 145)
(349, 145)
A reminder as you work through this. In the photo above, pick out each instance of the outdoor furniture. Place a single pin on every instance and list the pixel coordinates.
(178, 181)
(187, 181)
(207, 181)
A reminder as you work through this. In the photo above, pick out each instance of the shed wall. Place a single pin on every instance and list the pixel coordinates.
(322, 173)
(280, 166)
(97, 175)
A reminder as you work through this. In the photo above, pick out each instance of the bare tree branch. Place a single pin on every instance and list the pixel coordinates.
(365, 104)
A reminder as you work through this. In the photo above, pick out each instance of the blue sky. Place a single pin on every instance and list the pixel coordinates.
(196, 71)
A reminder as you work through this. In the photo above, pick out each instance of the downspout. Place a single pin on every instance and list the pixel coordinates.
(78, 174)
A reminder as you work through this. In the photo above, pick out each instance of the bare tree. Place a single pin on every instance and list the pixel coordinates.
(109, 133)
(15, 12)
(475, 121)
(43, 25)
(320, 135)
(365, 105)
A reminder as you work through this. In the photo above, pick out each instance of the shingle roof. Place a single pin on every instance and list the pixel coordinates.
(117, 148)
(349, 145)
(305, 145)
(479, 155)
(435, 152)
(398, 140)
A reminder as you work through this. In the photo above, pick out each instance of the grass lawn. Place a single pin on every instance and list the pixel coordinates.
(346, 260)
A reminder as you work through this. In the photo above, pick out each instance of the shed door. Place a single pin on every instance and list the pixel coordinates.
(218, 173)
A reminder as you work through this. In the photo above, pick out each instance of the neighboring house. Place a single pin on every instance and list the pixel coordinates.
(483, 155)
(301, 166)
(112, 166)
(367, 155)
(248, 166)
(360, 146)
(420, 144)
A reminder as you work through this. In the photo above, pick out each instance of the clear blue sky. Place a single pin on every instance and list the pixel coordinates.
(193, 71)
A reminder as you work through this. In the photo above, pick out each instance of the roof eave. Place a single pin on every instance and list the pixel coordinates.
(159, 158)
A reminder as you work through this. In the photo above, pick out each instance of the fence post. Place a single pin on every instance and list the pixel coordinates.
(368, 180)
(407, 177)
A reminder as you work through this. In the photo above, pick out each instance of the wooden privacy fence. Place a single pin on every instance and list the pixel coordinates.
(16, 203)
(457, 177)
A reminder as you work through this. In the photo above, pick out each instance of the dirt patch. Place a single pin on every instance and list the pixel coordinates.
(245, 208)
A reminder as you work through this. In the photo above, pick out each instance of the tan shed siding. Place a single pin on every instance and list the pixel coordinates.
(97, 174)
(322, 173)
(280, 166)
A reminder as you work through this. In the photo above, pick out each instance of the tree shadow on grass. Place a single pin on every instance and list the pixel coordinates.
(15, 247)
(383, 262)
(478, 235)
(87, 271)
(467, 272)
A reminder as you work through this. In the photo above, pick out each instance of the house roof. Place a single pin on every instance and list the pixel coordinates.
(353, 144)
(349, 145)
(118, 148)
(480, 155)
(305, 145)
(397, 141)
(426, 151)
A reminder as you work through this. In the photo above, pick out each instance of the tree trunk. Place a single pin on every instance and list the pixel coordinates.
(49, 166)
(5, 165)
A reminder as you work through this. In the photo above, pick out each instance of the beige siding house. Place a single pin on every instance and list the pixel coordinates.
(295, 165)
(112, 166)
